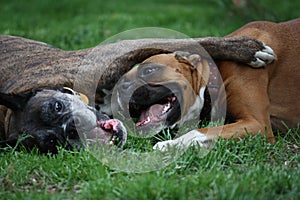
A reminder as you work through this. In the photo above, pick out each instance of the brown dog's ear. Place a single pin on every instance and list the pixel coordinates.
(16, 101)
(197, 63)
(191, 59)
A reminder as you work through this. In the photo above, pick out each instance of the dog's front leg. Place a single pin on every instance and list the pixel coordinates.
(204, 137)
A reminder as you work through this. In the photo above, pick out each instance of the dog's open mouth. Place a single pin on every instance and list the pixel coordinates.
(157, 112)
(154, 110)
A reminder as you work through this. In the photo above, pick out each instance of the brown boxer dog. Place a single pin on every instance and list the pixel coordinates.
(169, 89)
(27, 64)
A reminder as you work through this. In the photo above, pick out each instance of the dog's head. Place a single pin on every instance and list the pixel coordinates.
(49, 117)
(164, 90)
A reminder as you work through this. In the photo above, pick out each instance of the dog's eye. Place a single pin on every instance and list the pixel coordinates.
(57, 106)
(149, 70)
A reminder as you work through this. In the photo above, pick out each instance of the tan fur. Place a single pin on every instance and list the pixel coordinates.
(268, 96)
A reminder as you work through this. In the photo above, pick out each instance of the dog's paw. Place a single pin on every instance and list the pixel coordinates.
(263, 57)
(164, 146)
(192, 138)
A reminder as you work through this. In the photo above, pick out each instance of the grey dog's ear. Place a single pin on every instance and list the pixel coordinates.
(16, 101)
(191, 59)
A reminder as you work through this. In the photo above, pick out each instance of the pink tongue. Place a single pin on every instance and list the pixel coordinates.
(154, 113)
(109, 125)
(155, 110)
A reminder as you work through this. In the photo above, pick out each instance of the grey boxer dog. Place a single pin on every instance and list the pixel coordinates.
(45, 114)
(49, 117)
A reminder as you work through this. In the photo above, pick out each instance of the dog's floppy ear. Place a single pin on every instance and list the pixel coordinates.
(185, 57)
(197, 63)
(16, 101)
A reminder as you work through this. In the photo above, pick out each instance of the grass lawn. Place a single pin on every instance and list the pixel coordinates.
(247, 169)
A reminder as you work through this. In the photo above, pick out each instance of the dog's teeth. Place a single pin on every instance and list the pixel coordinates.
(171, 99)
(145, 121)
(148, 120)
(166, 108)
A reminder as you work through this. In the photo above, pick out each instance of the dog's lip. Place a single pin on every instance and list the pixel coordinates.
(99, 137)
(104, 133)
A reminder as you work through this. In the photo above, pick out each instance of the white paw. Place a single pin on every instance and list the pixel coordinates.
(263, 57)
(200, 140)
(192, 138)
(164, 146)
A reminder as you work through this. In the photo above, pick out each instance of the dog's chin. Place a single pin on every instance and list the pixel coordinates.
(151, 128)
(98, 136)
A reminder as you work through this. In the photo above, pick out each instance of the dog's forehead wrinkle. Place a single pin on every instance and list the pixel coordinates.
(41, 107)
(43, 98)
(71, 102)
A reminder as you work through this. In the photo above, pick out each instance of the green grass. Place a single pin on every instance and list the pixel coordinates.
(77, 24)
(247, 169)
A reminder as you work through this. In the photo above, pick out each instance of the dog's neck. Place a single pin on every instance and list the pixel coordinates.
(214, 81)
(212, 91)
